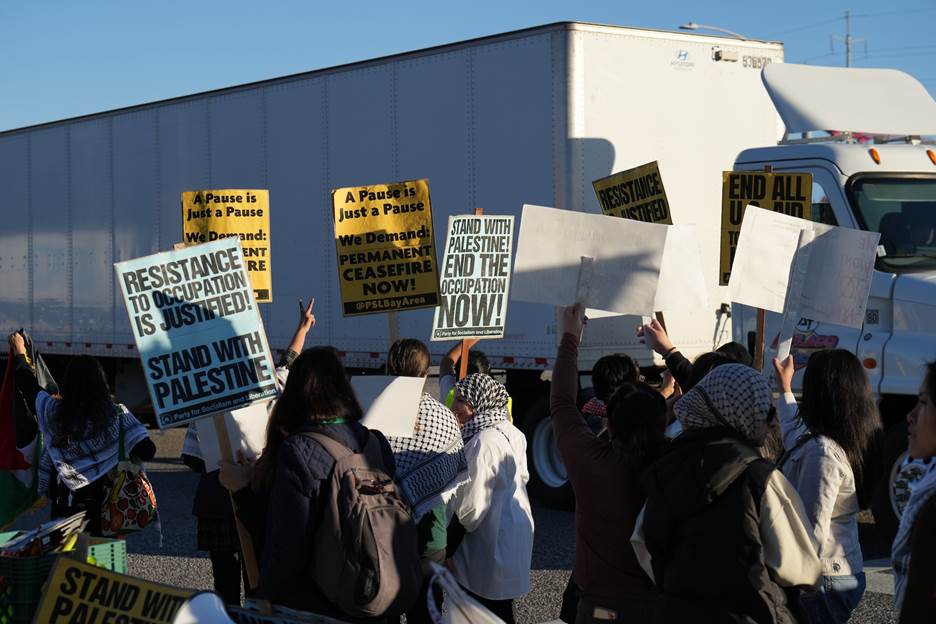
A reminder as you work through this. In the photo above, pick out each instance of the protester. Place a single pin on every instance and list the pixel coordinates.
(212, 506)
(429, 466)
(914, 549)
(605, 476)
(492, 562)
(825, 441)
(477, 363)
(607, 375)
(295, 468)
(724, 534)
(82, 432)
(654, 334)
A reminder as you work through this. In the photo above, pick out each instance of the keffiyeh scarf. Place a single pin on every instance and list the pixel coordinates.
(431, 465)
(732, 395)
(920, 493)
(488, 399)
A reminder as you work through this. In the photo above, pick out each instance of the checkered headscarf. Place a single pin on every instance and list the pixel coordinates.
(431, 464)
(732, 395)
(488, 399)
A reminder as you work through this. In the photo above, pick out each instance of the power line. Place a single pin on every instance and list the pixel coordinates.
(807, 27)
(902, 12)
(858, 15)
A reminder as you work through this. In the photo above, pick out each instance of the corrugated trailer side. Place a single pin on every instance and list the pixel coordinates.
(483, 120)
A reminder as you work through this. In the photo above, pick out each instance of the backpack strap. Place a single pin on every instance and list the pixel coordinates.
(121, 451)
(334, 448)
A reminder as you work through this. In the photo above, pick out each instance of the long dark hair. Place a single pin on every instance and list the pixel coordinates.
(87, 407)
(637, 419)
(837, 404)
(317, 390)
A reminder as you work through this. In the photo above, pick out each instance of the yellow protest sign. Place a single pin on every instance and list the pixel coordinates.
(635, 194)
(789, 193)
(244, 213)
(78, 592)
(385, 245)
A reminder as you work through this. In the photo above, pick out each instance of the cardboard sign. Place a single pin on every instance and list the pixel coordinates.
(390, 404)
(636, 194)
(475, 278)
(246, 429)
(625, 272)
(198, 331)
(79, 592)
(241, 213)
(386, 252)
(786, 193)
(837, 266)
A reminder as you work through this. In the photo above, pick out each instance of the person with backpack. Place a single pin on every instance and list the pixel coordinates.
(826, 438)
(83, 432)
(216, 530)
(339, 540)
(723, 533)
(492, 561)
(605, 475)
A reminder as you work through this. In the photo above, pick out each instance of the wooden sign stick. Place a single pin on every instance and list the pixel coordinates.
(759, 344)
(224, 446)
(465, 347)
(246, 541)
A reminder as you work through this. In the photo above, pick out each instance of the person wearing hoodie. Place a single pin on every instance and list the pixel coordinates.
(723, 534)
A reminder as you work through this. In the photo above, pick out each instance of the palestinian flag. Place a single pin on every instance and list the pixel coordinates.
(20, 443)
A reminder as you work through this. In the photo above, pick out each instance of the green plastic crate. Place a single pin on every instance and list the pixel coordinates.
(21, 582)
(110, 554)
(21, 579)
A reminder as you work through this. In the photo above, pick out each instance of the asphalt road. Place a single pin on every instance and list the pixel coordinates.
(176, 562)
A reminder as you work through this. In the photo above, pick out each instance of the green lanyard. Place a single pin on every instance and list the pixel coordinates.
(331, 421)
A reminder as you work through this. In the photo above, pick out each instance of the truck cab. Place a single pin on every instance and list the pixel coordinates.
(861, 134)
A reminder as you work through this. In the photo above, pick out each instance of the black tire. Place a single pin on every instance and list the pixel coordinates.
(886, 520)
(545, 486)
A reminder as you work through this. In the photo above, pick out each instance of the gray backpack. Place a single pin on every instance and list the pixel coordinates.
(366, 553)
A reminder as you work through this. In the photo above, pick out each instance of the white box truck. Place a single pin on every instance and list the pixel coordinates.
(524, 117)
(532, 116)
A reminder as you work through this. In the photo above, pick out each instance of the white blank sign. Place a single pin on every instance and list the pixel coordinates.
(836, 283)
(390, 404)
(627, 258)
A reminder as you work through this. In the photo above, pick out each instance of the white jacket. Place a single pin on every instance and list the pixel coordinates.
(822, 475)
(494, 559)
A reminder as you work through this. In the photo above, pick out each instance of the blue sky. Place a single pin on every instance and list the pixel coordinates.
(66, 58)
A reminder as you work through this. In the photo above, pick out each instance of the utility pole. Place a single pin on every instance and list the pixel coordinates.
(848, 40)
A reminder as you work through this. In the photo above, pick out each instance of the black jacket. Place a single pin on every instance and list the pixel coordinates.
(702, 529)
(294, 514)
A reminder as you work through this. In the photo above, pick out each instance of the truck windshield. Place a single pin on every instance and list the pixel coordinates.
(903, 210)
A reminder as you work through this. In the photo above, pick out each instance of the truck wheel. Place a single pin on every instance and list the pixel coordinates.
(549, 483)
(894, 489)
